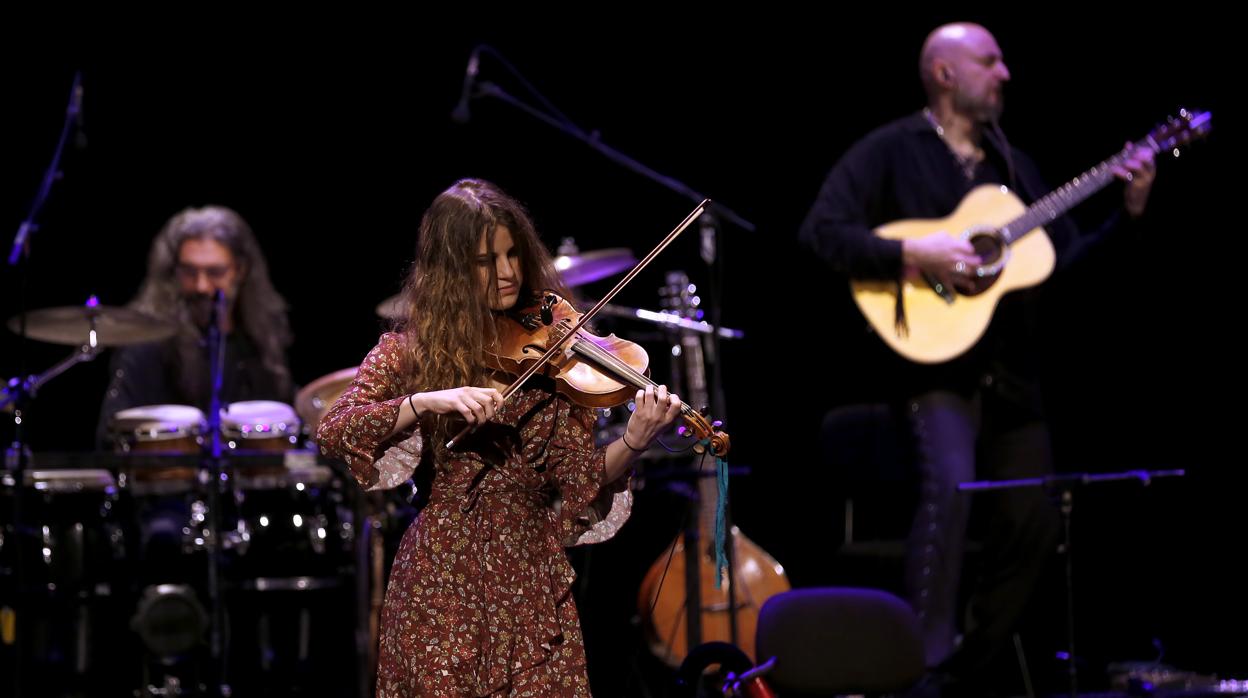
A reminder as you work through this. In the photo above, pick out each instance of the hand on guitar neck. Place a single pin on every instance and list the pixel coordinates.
(1138, 171)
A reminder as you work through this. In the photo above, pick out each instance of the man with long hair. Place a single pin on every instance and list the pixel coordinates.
(198, 253)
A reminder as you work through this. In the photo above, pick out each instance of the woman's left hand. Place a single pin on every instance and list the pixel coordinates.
(655, 410)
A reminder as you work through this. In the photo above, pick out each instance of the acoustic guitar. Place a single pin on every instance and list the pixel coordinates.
(933, 323)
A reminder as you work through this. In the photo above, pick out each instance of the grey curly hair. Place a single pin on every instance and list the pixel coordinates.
(260, 310)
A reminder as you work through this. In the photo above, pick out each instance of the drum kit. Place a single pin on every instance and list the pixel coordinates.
(153, 568)
(159, 538)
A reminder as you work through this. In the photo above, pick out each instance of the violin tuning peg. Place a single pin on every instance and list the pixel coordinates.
(548, 309)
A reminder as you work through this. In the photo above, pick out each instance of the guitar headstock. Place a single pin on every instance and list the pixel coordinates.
(1180, 130)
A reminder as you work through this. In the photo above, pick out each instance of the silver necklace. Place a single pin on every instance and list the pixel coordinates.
(968, 163)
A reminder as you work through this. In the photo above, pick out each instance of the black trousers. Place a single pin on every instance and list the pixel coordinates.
(959, 439)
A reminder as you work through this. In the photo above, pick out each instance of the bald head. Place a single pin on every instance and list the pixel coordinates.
(962, 62)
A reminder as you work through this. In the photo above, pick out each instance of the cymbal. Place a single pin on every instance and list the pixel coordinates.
(392, 308)
(314, 400)
(587, 267)
(71, 325)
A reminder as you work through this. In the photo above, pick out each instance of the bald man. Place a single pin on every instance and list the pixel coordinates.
(978, 416)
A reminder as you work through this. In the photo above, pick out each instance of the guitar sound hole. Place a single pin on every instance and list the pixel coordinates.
(990, 250)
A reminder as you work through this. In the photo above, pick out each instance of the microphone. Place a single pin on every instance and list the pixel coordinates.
(75, 110)
(460, 113)
(217, 310)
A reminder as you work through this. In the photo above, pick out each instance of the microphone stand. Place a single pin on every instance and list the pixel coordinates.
(16, 457)
(485, 88)
(21, 241)
(1066, 484)
(218, 480)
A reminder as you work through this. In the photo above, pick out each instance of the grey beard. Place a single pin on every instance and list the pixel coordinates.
(199, 309)
(982, 113)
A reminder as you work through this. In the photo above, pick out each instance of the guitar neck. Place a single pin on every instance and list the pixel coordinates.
(1057, 202)
(695, 383)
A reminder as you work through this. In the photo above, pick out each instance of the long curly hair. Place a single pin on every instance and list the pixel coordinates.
(260, 311)
(448, 322)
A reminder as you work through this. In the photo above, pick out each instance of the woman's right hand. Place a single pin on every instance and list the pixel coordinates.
(475, 405)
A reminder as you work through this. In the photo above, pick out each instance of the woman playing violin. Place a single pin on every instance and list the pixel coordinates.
(478, 602)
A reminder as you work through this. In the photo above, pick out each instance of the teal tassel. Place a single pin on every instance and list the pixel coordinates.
(721, 519)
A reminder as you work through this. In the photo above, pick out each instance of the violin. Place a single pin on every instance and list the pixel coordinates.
(590, 370)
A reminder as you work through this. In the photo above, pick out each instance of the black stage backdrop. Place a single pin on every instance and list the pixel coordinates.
(331, 135)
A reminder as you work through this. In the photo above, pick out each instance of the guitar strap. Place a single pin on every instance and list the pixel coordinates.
(1002, 144)
(899, 313)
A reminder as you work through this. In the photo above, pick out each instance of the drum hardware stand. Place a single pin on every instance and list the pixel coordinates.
(369, 565)
(1065, 486)
(12, 620)
(365, 528)
(16, 389)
